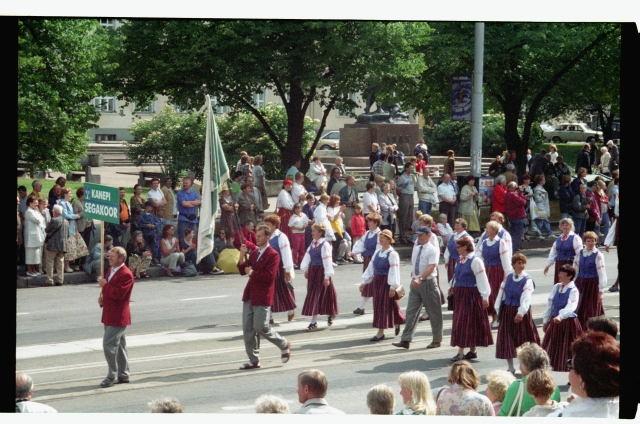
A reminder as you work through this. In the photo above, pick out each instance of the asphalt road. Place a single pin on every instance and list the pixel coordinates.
(186, 341)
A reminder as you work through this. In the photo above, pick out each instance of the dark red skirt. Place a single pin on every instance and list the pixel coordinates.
(284, 299)
(557, 341)
(320, 300)
(450, 268)
(512, 335)
(588, 304)
(284, 215)
(386, 311)
(368, 289)
(470, 322)
(495, 274)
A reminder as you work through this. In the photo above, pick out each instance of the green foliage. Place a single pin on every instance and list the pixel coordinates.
(58, 65)
(173, 140)
(243, 131)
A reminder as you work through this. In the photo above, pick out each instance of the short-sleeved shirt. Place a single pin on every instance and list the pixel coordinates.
(188, 196)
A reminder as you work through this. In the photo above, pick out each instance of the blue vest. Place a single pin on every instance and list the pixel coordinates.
(587, 266)
(513, 290)
(565, 249)
(559, 301)
(316, 253)
(370, 244)
(491, 254)
(381, 265)
(500, 234)
(464, 274)
(273, 242)
(452, 246)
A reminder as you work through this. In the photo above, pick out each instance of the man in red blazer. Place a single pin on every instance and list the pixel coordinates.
(258, 297)
(248, 235)
(114, 300)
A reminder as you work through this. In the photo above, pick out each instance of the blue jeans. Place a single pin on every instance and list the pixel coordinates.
(544, 224)
(581, 226)
(424, 206)
(517, 225)
(604, 225)
(183, 225)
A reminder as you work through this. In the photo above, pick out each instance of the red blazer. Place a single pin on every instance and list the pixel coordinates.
(261, 285)
(249, 240)
(116, 294)
(498, 198)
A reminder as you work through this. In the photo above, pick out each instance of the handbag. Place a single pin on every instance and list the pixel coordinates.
(535, 212)
(450, 300)
(399, 295)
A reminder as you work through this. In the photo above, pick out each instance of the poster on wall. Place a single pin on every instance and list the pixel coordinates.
(486, 191)
(461, 97)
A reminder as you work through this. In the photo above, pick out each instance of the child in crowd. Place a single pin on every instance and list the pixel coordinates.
(445, 229)
(298, 224)
(498, 382)
(415, 225)
(147, 223)
(540, 386)
(435, 171)
(358, 228)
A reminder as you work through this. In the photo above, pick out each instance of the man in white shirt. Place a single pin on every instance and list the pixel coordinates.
(427, 190)
(447, 195)
(424, 290)
(298, 192)
(156, 196)
(24, 392)
(312, 388)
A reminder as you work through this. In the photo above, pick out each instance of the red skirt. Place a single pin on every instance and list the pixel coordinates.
(450, 268)
(386, 311)
(470, 322)
(512, 335)
(368, 289)
(284, 299)
(284, 215)
(557, 341)
(320, 300)
(495, 274)
(588, 303)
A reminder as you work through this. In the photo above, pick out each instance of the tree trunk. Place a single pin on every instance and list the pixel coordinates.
(511, 135)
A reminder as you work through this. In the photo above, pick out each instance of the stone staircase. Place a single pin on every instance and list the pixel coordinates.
(113, 154)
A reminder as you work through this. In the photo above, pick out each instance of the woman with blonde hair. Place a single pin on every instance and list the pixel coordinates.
(416, 394)
(461, 397)
(318, 174)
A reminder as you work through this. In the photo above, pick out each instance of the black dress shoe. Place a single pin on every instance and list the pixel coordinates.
(433, 345)
(397, 330)
(376, 338)
(404, 345)
(122, 380)
(613, 288)
(470, 355)
(107, 382)
(358, 311)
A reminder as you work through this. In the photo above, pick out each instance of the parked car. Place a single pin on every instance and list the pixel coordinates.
(575, 131)
(329, 141)
(615, 127)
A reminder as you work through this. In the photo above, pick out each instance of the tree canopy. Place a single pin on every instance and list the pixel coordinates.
(59, 61)
(302, 61)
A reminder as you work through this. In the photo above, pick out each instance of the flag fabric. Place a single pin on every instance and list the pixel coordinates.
(216, 173)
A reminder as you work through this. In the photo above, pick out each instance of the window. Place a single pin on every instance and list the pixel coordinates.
(219, 109)
(105, 104)
(105, 137)
(259, 99)
(352, 96)
(149, 108)
(108, 23)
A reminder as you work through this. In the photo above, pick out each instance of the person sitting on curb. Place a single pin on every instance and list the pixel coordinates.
(92, 267)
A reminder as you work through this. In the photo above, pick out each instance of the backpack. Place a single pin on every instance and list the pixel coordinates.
(189, 270)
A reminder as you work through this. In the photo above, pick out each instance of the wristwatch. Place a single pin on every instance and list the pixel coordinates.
(421, 279)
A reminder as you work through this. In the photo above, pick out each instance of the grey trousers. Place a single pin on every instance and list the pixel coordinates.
(405, 216)
(255, 323)
(427, 295)
(115, 351)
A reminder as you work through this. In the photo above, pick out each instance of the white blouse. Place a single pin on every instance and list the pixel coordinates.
(482, 282)
(602, 273)
(393, 278)
(505, 253)
(285, 200)
(320, 216)
(285, 251)
(571, 306)
(456, 237)
(298, 221)
(577, 246)
(327, 258)
(334, 213)
(358, 247)
(370, 199)
(525, 297)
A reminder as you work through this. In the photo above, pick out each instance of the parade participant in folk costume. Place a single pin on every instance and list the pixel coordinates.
(566, 247)
(367, 246)
(284, 206)
(451, 255)
(591, 279)
(284, 299)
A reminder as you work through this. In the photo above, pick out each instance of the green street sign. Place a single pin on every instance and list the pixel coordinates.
(102, 202)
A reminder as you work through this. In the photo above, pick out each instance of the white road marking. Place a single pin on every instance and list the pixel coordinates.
(201, 298)
(23, 313)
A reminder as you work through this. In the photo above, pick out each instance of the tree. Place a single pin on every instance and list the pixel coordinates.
(58, 65)
(302, 61)
(524, 64)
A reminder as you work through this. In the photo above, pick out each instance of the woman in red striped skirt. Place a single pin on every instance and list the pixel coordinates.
(284, 206)
(383, 273)
(566, 247)
(451, 255)
(560, 322)
(284, 299)
(591, 280)
(471, 292)
(513, 303)
(496, 255)
(318, 268)
(366, 246)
